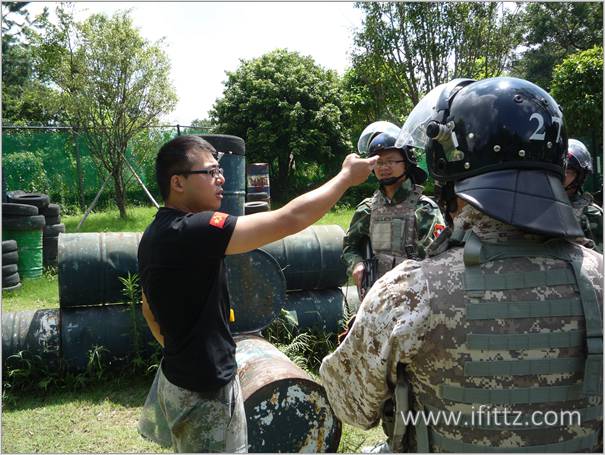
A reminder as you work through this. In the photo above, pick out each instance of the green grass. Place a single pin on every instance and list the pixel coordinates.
(34, 294)
(138, 218)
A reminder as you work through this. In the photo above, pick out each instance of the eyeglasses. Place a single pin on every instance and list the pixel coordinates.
(214, 172)
(388, 163)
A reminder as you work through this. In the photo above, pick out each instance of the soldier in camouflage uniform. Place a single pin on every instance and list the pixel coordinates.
(505, 315)
(589, 214)
(398, 221)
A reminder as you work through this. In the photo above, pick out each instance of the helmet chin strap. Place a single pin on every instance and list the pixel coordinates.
(390, 180)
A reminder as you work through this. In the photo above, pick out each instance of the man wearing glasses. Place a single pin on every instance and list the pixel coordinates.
(185, 299)
(397, 221)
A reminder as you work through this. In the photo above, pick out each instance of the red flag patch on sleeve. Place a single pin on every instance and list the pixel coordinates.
(438, 230)
(218, 219)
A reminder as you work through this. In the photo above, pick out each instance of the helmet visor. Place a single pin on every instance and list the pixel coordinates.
(580, 153)
(413, 131)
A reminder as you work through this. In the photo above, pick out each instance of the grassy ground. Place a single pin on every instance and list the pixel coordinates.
(101, 418)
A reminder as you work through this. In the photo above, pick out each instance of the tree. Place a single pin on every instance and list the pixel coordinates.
(112, 82)
(25, 97)
(554, 30)
(419, 45)
(577, 85)
(291, 113)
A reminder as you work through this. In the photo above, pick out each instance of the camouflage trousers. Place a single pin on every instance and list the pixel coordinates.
(195, 421)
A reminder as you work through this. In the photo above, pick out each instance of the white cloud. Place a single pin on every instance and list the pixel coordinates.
(203, 40)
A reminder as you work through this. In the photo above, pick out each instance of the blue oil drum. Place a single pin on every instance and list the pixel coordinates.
(258, 179)
(311, 259)
(36, 332)
(320, 309)
(233, 163)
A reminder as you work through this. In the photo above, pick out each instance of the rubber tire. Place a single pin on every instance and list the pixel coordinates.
(11, 288)
(50, 247)
(10, 280)
(9, 269)
(53, 230)
(255, 207)
(18, 210)
(53, 220)
(39, 200)
(252, 197)
(23, 223)
(226, 143)
(51, 210)
(10, 258)
(8, 246)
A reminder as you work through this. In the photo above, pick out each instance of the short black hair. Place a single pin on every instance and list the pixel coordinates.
(175, 156)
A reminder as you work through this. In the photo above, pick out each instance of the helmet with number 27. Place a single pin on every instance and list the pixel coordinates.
(502, 145)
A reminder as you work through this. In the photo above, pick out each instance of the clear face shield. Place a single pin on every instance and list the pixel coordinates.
(371, 131)
(581, 153)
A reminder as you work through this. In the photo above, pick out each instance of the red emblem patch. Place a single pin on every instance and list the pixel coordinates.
(218, 219)
(438, 230)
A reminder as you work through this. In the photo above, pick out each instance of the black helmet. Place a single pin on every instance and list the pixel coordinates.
(579, 159)
(373, 130)
(503, 144)
(386, 141)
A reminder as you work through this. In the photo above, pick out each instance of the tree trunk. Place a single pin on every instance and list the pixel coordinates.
(120, 191)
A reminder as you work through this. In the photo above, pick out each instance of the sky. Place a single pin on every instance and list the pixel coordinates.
(205, 39)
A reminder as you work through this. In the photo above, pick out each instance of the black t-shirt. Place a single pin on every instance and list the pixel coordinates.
(182, 274)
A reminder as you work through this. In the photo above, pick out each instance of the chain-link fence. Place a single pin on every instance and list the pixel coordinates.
(58, 162)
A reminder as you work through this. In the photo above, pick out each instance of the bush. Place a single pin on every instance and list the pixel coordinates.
(25, 171)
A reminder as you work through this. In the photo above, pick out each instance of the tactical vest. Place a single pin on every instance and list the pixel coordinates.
(585, 211)
(393, 232)
(502, 345)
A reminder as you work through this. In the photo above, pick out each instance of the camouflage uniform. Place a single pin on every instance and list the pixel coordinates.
(429, 221)
(471, 333)
(590, 217)
(193, 422)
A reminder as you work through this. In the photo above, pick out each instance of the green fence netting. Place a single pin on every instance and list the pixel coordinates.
(58, 162)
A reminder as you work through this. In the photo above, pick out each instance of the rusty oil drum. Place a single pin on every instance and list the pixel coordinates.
(286, 410)
(311, 259)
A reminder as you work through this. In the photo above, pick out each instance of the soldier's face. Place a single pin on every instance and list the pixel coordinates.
(390, 164)
(570, 176)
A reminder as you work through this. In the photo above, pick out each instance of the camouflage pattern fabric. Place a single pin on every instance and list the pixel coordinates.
(428, 222)
(417, 315)
(590, 216)
(210, 422)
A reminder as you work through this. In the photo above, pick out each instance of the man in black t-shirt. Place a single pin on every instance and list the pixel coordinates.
(185, 299)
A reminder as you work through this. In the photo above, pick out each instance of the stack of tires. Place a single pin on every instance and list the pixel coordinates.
(21, 223)
(10, 268)
(52, 222)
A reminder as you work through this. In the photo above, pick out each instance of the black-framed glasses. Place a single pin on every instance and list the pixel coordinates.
(214, 172)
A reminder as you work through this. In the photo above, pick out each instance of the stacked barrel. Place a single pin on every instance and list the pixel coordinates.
(258, 194)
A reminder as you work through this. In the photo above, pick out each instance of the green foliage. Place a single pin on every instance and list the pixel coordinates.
(306, 347)
(24, 170)
(113, 83)
(577, 85)
(553, 30)
(416, 46)
(291, 113)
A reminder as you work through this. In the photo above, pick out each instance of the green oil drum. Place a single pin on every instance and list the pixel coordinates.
(320, 309)
(233, 163)
(311, 258)
(30, 250)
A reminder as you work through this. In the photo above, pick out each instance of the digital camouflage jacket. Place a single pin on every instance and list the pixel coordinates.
(509, 332)
(590, 217)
